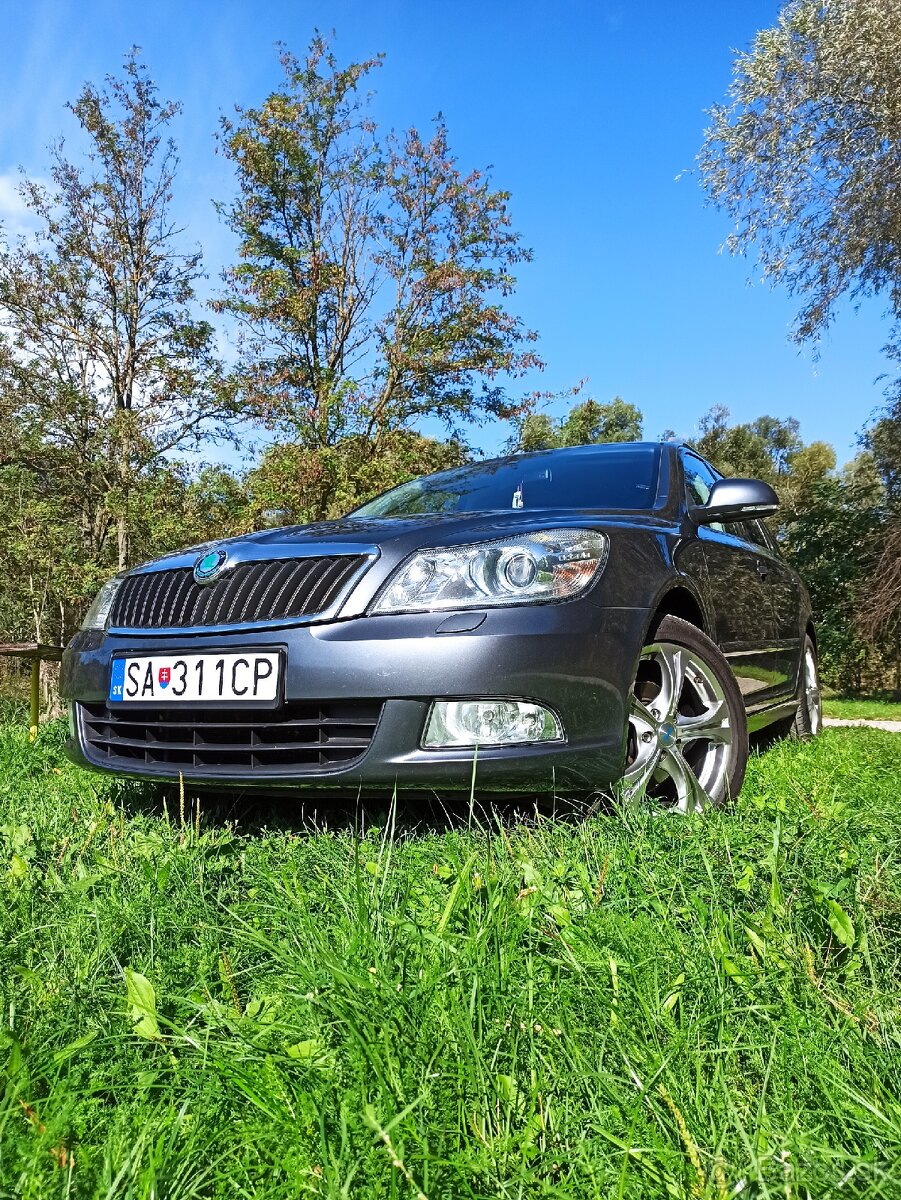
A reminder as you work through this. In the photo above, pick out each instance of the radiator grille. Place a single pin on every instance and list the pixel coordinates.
(272, 590)
(302, 737)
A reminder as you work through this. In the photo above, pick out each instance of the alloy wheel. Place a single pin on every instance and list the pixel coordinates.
(680, 730)
(812, 699)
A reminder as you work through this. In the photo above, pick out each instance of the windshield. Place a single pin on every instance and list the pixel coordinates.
(615, 476)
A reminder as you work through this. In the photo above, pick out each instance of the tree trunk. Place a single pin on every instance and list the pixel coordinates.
(123, 539)
(124, 486)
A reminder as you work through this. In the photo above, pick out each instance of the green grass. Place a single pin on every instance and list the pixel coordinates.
(633, 1006)
(857, 708)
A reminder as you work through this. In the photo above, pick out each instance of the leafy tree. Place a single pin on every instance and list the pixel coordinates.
(294, 484)
(810, 465)
(374, 274)
(179, 506)
(832, 537)
(834, 528)
(733, 449)
(535, 431)
(759, 449)
(804, 155)
(586, 423)
(883, 439)
(105, 367)
(45, 575)
(591, 422)
(879, 609)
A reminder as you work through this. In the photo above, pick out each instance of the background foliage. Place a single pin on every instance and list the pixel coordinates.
(372, 289)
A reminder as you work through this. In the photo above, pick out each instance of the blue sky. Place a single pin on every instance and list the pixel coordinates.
(587, 112)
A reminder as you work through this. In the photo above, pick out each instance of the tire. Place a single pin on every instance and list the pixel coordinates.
(808, 722)
(688, 730)
(808, 719)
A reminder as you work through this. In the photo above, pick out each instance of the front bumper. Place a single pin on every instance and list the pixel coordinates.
(575, 658)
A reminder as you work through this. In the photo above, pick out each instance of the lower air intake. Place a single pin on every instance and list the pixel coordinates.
(302, 737)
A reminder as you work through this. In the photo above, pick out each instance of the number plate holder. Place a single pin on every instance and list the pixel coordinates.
(169, 684)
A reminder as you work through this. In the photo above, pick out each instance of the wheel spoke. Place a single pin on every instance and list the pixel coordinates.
(712, 725)
(640, 715)
(643, 767)
(812, 692)
(672, 672)
(647, 749)
(690, 795)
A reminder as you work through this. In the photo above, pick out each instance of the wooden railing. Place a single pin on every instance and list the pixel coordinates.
(36, 653)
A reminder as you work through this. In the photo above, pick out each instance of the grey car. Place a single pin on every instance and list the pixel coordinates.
(545, 624)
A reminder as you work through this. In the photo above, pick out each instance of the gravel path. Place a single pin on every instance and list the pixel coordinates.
(891, 726)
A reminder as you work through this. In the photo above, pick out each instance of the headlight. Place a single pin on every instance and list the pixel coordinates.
(553, 564)
(98, 614)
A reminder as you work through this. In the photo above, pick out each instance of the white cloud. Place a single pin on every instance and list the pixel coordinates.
(11, 203)
(15, 217)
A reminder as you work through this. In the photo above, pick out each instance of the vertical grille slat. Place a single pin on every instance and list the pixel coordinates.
(180, 597)
(272, 581)
(299, 589)
(166, 593)
(251, 592)
(257, 596)
(137, 607)
(320, 594)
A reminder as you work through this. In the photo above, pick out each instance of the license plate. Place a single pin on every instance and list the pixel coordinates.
(239, 678)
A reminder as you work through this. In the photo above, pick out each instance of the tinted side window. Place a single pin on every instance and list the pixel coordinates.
(699, 479)
(752, 531)
(756, 534)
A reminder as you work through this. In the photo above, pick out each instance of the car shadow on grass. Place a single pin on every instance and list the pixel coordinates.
(410, 814)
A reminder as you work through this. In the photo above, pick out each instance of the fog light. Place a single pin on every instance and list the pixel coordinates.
(471, 723)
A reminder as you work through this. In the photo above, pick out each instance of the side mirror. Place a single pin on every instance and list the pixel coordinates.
(737, 500)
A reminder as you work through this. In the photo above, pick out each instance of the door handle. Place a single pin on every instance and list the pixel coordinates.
(763, 569)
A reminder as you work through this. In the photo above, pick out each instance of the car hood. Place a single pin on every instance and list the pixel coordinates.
(375, 535)
(386, 542)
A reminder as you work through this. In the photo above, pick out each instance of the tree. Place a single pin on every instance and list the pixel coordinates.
(880, 606)
(835, 528)
(293, 484)
(535, 431)
(805, 156)
(586, 423)
(374, 275)
(106, 366)
(732, 449)
(883, 439)
(832, 538)
(45, 575)
(591, 422)
(768, 448)
(879, 610)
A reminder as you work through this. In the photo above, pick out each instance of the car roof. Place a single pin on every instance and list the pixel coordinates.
(581, 451)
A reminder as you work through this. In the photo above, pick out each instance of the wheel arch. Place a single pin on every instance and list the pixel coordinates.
(678, 601)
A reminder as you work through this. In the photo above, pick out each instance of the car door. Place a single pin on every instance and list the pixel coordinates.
(739, 580)
(785, 597)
